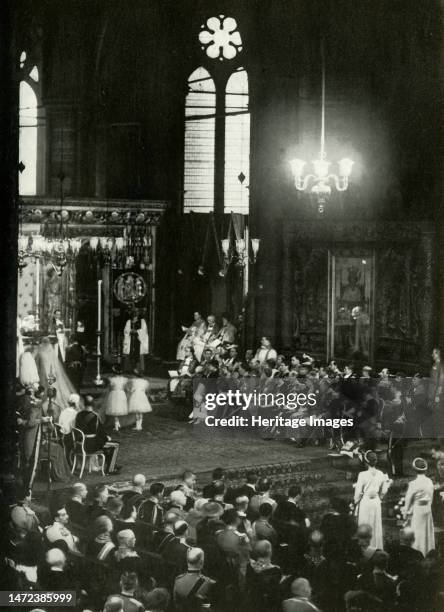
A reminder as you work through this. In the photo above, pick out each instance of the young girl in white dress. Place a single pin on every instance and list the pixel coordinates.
(370, 489)
(116, 402)
(138, 402)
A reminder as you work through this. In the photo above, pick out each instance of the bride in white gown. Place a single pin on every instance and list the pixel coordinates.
(49, 364)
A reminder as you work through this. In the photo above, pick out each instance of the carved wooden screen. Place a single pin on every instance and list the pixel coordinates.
(351, 305)
(310, 299)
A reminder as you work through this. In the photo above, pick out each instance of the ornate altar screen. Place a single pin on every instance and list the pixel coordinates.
(351, 305)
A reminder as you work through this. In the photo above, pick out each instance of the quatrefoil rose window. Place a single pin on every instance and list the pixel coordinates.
(220, 38)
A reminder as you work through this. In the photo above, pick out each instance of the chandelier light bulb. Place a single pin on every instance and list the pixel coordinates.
(225, 246)
(297, 167)
(321, 167)
(345, 167)
(255, 242)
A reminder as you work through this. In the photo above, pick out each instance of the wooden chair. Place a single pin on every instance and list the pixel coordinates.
(78, 439)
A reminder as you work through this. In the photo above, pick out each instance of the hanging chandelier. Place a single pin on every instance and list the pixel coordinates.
(133, 249)
(58, 251)
(239, 250)
(319, 181)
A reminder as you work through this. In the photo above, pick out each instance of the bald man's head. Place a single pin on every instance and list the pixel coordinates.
(113, 604)
(195, 558)
(407, 536)
(56, 558)
(139, 480)
(301, 588)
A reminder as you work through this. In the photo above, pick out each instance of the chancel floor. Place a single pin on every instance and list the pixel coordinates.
(167, 446)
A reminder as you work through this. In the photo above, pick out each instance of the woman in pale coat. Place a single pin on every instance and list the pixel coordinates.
(370, 489)
(418, 508)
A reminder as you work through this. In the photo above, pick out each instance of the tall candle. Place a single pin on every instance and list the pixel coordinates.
(99, 305)
(37, 284)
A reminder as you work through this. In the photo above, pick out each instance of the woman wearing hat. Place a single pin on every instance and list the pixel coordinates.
(370, 489)
(418, 508)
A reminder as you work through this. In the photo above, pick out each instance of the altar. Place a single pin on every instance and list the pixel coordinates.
(91, 263)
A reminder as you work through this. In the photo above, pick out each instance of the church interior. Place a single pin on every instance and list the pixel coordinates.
(156, 169)
(154, 172)
(273, 165)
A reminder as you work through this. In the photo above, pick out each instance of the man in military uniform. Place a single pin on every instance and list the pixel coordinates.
(192, 588)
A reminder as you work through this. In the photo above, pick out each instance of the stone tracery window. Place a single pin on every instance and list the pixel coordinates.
(217, 126)
(31, 129)
(28, 140)
(220, 38)
(200, 113)
(237, 143)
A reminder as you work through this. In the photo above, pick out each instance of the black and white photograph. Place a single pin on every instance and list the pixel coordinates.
(222, 317)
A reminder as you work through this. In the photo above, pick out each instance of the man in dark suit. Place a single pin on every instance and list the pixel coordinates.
(405, 561)
(128, 520)
(165, 535)
(289, 510)
(248, 488)
(376, 581)
(75, 361)
(97, 507)
(96, 438)
(75, 506)
(136, 494)
(291, 525)
(217, 476)
(175, 551)
(54, 575)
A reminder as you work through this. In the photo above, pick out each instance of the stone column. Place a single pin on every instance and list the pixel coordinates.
(441, 284)
(429, 323)
(287, 290)
(9, 130)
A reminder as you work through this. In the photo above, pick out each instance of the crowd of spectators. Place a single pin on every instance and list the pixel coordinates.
(182, 548)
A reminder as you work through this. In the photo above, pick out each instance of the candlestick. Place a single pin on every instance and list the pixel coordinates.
(99, 305)
(99, 381)
(37, 292)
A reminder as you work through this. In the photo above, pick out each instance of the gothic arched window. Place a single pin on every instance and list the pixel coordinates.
(28, 140)
(200, 122)
(31, 130)
(237, 144)
(217, 125)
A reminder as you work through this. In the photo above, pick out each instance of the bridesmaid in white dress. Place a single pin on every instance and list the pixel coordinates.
(418, 508)
(370, 489)
(138, 402)
(116, 402)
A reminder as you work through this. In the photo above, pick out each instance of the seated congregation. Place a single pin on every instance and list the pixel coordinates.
(183, 548)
